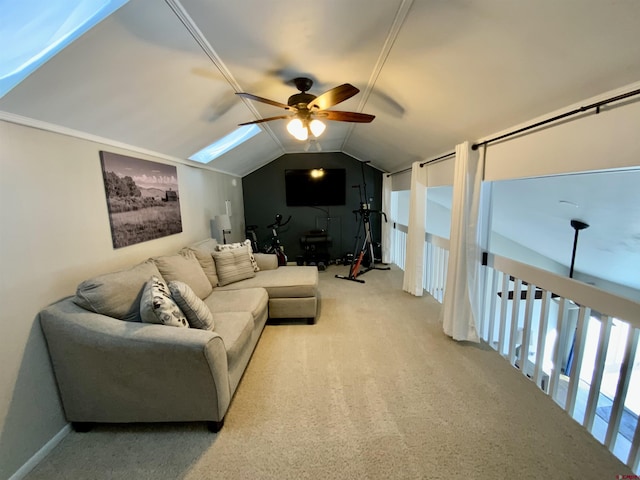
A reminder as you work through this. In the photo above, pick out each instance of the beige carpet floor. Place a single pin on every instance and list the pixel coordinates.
(374, 390)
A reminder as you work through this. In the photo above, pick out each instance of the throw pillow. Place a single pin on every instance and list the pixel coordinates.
(157, 306)
(185, 268)
(246, 244)
(233, 265)
(197, 313)
(116, 294)
(206, 262)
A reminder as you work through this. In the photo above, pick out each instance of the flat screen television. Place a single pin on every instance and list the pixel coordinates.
(315, 187)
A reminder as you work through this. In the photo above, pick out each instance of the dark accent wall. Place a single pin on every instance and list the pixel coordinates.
(264, 197)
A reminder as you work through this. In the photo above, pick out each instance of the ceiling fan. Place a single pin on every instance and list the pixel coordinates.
(307, 109)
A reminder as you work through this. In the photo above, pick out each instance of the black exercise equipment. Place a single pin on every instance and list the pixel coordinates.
(363, 215)
(250, 232)
(315, 244)
(275, 247)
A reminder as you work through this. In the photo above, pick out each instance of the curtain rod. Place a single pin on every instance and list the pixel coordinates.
(583, 109)
(595, 105)
(433, 160)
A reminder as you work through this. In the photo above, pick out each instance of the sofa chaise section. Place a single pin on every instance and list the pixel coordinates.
(293, 291)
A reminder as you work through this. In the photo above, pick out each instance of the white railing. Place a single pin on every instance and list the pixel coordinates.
(436, 259)
(436, 255)
(399, 248)
(559, 333)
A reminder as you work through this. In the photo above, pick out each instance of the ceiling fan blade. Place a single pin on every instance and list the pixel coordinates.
(264, 100)
(262, 120)
(333, 97)
(345, 116)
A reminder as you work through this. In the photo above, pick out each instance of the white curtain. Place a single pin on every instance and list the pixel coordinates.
(387, 227)
(414, 260)
(461, 305)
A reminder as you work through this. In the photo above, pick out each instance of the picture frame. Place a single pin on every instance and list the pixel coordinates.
(142, 197)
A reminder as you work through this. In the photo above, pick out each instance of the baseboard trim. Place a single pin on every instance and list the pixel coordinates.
(40, 454)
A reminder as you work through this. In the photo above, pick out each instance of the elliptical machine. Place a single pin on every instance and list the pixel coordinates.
(363, 215)
(275, 247)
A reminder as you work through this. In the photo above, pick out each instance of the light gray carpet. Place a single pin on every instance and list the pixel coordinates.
(373, 390)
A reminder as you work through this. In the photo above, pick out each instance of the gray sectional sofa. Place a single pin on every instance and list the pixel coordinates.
(117, 360)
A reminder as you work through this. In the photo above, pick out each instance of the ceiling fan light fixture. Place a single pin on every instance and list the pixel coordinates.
(305, 106)
(297, 129)
(317, 127)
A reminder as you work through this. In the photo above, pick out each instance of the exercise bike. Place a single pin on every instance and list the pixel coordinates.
(275, 247)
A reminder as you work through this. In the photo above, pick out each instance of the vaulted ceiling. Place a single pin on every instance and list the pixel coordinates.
(161, 75)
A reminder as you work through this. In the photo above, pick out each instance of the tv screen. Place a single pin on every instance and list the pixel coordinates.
(317, 186)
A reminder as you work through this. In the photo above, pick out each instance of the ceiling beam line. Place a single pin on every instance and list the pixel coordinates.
(576, 111)
(394, 31)
(206, 47)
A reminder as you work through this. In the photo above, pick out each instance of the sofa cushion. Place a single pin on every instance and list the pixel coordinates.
(235, 328)
(184, 268)
(243, 245)
(284, 282)
(252, 300)
(116, 294)
(197, 313)
(233, 265)
(157, 306)
(206, 247)
(206, 262)
(266, 261)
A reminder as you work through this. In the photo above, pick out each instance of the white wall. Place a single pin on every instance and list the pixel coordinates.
(506, 247)
(55, 233)
(604, 141)
(437, 217)
(440, 173)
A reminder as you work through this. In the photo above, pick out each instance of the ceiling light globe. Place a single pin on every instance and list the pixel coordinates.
(297, 129)
(317, 127)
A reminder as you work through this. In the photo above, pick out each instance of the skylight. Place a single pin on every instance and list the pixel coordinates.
(226, 143)
(33, 31)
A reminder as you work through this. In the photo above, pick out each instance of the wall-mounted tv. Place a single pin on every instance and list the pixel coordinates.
(316, 187)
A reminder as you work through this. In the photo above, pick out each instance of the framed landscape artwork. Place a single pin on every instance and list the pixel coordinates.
(143, 199)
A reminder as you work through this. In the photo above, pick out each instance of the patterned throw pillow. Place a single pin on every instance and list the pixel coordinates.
(197, 313)
(246, 244)
(233, 265)
(157, 306)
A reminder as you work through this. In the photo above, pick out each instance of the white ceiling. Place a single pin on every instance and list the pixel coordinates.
(161, 75)
(536, 213)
